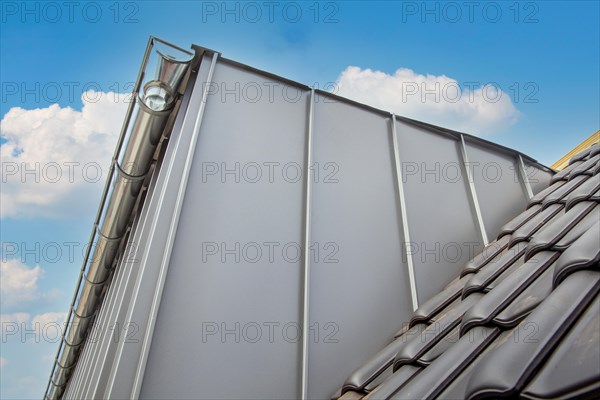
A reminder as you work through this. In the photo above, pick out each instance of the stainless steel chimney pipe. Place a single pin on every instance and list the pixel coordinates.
(170, 70)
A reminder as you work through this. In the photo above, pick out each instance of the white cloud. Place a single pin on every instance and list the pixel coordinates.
(49, 318)
(18, 282)
(12, 324)
(42, 328)
(49, 326)
(19, 318)
(48, 141)
(440, 100)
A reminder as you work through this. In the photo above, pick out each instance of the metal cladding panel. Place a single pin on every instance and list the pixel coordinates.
(539, 179)
(442, 224)
(113, 326)
(497, 181)
(150, 239)
(359, 290)
(228, 322)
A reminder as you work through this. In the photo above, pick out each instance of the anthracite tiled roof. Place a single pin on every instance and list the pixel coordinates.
(522, 319)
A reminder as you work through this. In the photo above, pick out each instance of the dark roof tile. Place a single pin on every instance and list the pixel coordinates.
(556, 229)
(490, 251)
(573, 369)
(534, 224)
(559, 194)
(379, 379)
(505, 371)
(587, 168)
(586, 223)
(527, 300)
(436, 377)
(498, 279)
(582, 254)
(350, 396)
(594, 150)
(540, 196)
(493, 269)
(456, 389)
(595, 169)
(583, 192)
(440, 347)
(519, 220)
(417, 346)
(400, 378)
(564, 174)
(438, 302)
(512, 323)
(581, 155)
(380, 361)
(493, 302)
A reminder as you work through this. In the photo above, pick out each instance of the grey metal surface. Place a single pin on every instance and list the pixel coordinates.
(113, 324)
(110, 328)
(361, 268)
(539, 178)
(308, 178)
(170, 70)
(149, 332)
(327, 191)
(405, 229)
(468, 176)
(138, 298)
(524, 177)
(437, 202)
(229, 290)
(498, 186)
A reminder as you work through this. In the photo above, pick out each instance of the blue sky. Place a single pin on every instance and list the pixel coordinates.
(547, 52)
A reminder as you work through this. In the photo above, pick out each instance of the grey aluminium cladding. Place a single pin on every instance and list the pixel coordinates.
(352, 232)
